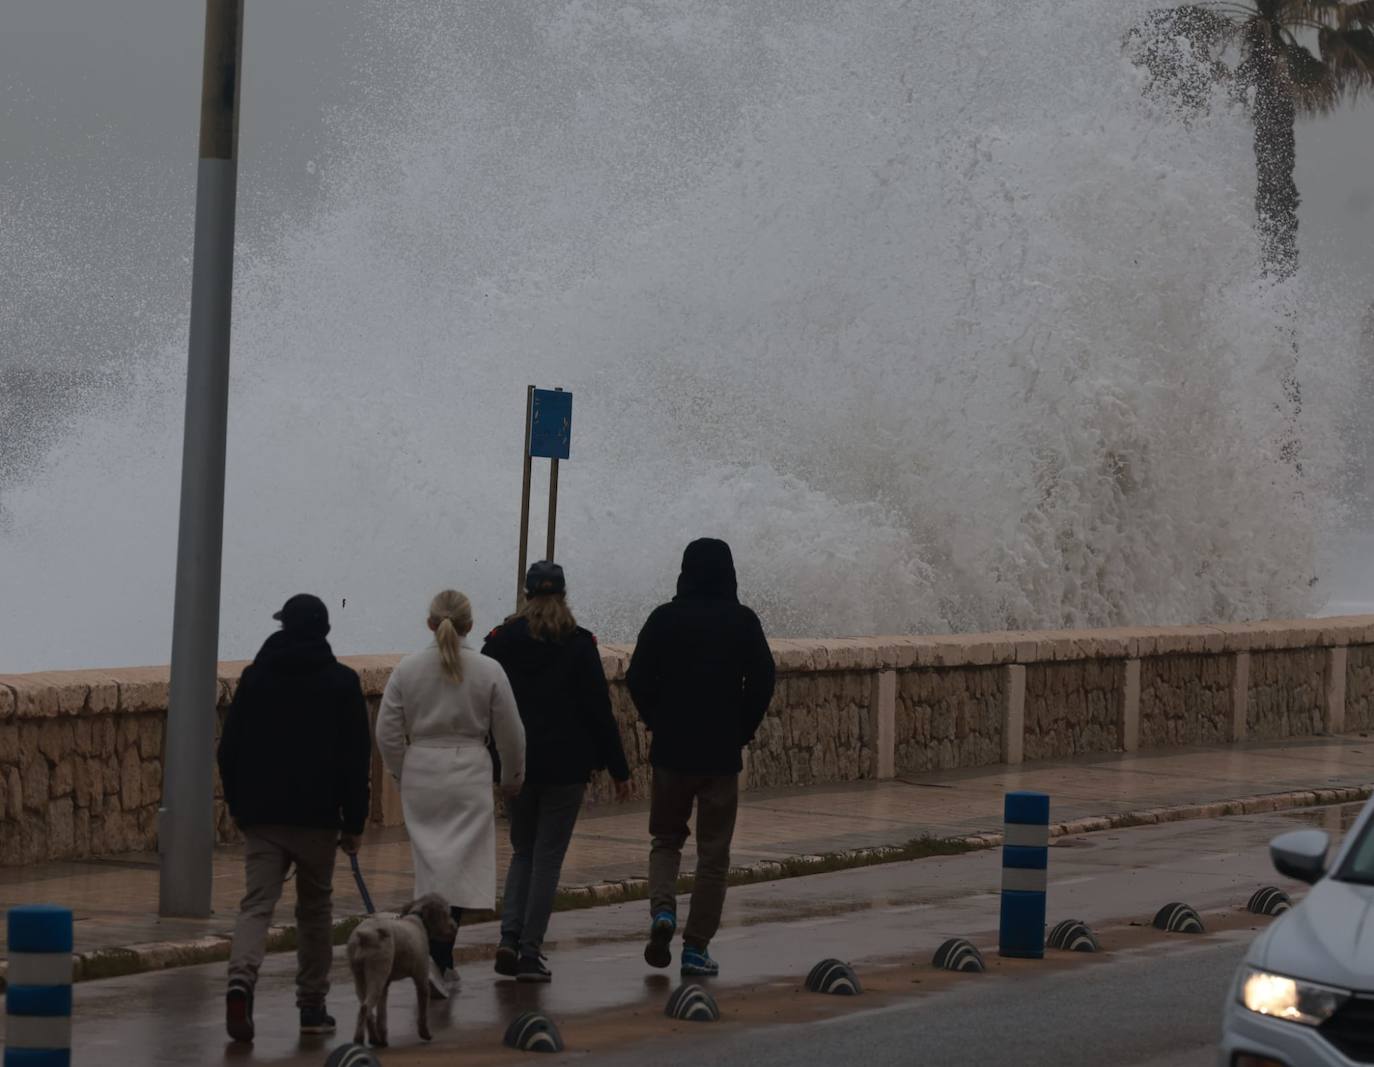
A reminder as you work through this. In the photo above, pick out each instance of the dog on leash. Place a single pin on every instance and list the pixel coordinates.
(381, 951)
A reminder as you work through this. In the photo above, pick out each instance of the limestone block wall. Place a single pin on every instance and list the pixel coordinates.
(1073, 708)
(81, 751)
(1286, 694)
(1359, 688)
(949, 717)
(817, 730)
(1186, 700)
(80, 763)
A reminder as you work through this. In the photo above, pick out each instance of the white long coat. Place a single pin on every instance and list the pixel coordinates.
(432, 735)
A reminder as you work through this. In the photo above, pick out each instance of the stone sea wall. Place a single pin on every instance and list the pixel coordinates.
(1359, 692)
(1186, 700)
(81, 751)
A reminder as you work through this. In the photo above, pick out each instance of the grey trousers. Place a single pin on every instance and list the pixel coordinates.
(542, 818)
(269, 852)
(717, 802)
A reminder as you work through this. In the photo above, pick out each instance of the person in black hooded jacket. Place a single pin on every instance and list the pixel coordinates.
(555, 671)
(702, 678)
(294, 759)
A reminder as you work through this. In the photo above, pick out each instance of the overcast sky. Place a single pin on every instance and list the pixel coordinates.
(89, 84)
(98, 126)
(84, 79)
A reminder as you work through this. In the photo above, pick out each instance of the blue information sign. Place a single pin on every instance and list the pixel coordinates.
(551, 424)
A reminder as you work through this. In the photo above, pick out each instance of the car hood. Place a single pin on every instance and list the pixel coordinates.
(1327, 938)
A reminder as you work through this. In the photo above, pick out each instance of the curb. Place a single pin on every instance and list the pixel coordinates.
(156, 956)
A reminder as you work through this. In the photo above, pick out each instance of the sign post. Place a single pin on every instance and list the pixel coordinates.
(548, 435)
(525, 504)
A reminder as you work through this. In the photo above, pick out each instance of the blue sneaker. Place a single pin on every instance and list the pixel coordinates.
(697, 963)
(656, 952)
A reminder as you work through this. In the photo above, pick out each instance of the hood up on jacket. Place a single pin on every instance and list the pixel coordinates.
(291, 651)
(708, 571)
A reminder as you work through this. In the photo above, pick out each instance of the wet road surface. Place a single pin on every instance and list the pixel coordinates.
(1148, 1008)
(885, 914)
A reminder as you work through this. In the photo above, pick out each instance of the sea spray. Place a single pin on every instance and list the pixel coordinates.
(925, 308)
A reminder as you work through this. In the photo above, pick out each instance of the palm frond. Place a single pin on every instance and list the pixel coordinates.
(1348, 54)
(1303, 14)
(1234, 11)
(1313, 84)
(1331, 14)
(1357, 16)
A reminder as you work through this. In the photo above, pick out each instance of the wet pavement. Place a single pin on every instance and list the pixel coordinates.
(115, 899)
(878, 917)
(1141, 1008)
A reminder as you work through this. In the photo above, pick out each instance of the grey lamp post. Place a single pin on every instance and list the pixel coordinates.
(186, 820)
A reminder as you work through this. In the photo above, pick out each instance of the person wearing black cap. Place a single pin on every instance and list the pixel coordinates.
(702, 678)
(294, 758)
(560, 687)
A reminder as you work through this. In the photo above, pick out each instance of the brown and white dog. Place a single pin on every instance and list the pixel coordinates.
(382, 950)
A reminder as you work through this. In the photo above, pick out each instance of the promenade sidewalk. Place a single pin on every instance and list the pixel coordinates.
(115, 898)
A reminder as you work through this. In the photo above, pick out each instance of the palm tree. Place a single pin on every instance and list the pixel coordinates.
(1277, 74)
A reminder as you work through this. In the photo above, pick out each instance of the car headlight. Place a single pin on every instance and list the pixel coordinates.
(1290, 999)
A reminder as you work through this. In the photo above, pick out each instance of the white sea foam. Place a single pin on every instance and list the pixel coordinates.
(925, 309)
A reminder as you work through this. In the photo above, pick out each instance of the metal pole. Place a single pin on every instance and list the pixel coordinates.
(553, 505)
(186, 820)
(525, 503)
(553, 497)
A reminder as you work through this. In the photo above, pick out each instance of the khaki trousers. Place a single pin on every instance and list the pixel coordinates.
(269, 853)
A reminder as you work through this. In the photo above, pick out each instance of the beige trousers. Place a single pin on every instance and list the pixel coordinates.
(269, 853)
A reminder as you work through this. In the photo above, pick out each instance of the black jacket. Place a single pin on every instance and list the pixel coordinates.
(702, 673)
(297, 746)
(564, 703)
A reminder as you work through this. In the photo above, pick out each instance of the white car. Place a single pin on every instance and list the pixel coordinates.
(1304, 997)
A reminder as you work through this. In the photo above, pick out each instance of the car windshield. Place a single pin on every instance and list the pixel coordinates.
(1359, 865)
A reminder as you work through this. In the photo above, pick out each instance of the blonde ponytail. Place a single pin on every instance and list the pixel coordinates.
(450, 616)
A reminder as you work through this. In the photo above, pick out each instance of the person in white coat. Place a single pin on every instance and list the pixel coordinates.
(438, 709)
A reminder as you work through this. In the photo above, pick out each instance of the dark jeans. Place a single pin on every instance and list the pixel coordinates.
(441, 952)
(717, 802)
(542, 818)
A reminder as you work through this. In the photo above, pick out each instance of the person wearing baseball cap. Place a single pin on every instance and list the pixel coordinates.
(560, 687)
(295, 758)
(304, 613)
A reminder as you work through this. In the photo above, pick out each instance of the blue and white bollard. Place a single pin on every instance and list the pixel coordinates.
(38, 994)
(1025, 874)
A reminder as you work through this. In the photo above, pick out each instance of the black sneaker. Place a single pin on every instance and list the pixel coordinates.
(238, 1014)
(532, 969)
(656, 952)
(316, 1021)
(507, 960)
